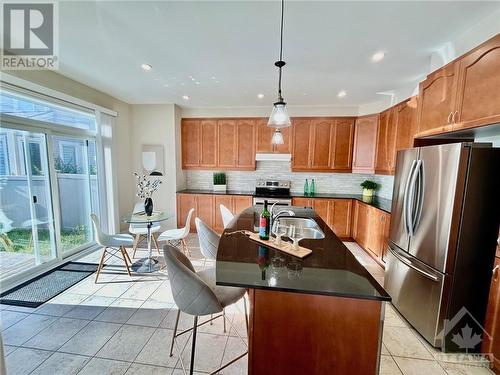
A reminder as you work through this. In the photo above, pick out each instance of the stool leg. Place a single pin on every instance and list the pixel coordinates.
(224, 318)
(193, 345)
(246, 313)
(175, 332)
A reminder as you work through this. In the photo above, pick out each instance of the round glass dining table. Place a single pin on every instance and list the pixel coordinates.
(148, 264)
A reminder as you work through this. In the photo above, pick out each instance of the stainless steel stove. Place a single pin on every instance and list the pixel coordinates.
(274, 191)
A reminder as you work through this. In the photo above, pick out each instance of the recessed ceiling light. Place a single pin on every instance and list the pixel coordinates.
(197, 82)
(146, 67)
(260, 96)
(185, 97)
(342, 93)
(378, 56)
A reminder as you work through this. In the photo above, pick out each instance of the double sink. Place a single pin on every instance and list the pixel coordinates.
(305, 228)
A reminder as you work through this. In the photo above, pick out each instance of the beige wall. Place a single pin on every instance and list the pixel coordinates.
(121, 137)
(159, 124)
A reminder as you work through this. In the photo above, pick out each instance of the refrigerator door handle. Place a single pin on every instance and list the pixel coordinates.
(405, 198)
(420, 181)
(408, 263)
(410, 198)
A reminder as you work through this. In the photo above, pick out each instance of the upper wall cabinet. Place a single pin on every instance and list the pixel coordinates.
(264, 137)
(436, 103)
(406, 120)
(322, 144)
(463, 94)
(365, 141)
(226, 144)
(386, 142)
(478, 95)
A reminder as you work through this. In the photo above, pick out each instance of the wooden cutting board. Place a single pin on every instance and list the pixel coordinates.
(286, 247)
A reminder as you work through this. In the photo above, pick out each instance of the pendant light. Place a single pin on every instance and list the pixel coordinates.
(277, 137)
(279, 116)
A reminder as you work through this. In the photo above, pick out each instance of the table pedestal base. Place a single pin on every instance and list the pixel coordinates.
(146, 265)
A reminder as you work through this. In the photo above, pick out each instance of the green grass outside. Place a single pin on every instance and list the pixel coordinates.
(20, 241)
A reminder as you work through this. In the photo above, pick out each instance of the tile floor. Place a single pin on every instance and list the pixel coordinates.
(123, 325)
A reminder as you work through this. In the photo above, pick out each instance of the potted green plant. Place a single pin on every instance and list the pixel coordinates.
(369, 188)
(219, 179)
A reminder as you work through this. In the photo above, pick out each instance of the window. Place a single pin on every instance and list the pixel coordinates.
(14, 104)
(4, 156)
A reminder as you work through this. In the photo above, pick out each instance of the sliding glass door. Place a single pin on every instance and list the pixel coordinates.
(75, 164)
(27, 236)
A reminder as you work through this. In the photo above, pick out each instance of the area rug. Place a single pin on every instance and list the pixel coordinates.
(46, 286)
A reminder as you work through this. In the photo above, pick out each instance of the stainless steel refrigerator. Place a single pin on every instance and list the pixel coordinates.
(444, 224)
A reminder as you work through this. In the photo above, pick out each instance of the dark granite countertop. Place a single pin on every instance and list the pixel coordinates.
(377, 202)
(331, 269)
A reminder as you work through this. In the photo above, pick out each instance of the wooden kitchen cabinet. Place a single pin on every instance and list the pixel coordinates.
(226, 142)
(406, 123)
(386, 142)
(322, 144)
(491, 341)
(184, 203)
(365, 141)
(202, 204)
(436, 103)
(371, 229)
(264, 137)
(478, 93)
(235, 204)
(301, 143)
(340, 217)
(208, 143)
(341, 144)
(302, 202)
(190, 139)
(245, 144)
(322, 208)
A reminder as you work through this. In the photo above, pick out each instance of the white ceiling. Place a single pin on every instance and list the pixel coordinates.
(230, 48)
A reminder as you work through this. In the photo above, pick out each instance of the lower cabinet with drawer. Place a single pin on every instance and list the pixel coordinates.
(207, 208)
(371, 230)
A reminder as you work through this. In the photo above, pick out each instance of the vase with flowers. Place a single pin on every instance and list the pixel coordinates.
(145, 190)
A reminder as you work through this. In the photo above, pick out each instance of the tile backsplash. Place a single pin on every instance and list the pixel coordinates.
(281, 170)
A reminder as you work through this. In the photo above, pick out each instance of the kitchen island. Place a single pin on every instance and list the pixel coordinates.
(319, 315)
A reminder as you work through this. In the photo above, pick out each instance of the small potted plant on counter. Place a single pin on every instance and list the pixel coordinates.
(369, 188)
(219, 181)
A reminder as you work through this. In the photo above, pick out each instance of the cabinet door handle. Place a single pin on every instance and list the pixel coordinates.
(455, 119)
(449, 117)
(495, 270)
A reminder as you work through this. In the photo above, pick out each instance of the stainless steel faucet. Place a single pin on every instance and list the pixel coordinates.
(274, 216)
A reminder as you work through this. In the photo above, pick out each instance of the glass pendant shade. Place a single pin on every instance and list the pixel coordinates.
(279, 116)
(277, 138)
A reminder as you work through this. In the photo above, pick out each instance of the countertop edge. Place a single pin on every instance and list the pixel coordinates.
(380, 203)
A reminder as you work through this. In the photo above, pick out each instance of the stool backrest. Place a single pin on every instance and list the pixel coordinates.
(191, 294)
(227, 215)
(209, 239)
(187, 227)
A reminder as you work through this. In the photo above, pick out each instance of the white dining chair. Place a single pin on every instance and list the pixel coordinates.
(209, 240)
(178, 236)
(112, 244)
(227, 215)
(140, 231)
